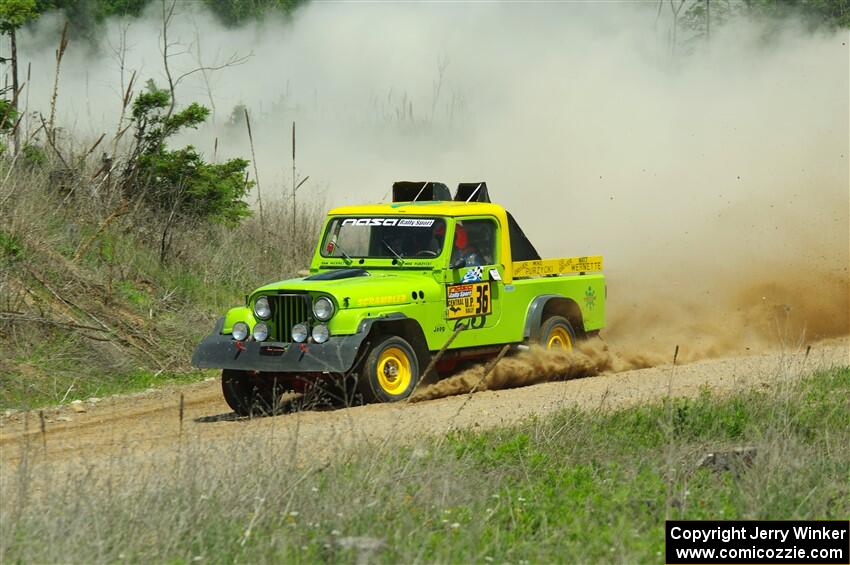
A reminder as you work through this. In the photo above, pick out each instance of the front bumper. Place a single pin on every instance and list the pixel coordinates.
(218, 351)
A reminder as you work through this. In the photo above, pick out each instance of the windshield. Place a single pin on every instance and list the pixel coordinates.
(386, 238)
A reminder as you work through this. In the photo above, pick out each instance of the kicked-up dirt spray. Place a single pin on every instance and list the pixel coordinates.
(537, 365)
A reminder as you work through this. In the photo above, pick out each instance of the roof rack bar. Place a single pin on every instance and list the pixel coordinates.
(474, 192)
(421, 190)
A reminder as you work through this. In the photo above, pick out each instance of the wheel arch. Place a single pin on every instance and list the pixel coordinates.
(548, 305)
(406, 328)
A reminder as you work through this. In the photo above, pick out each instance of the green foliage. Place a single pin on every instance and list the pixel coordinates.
(154, 119)
(10, 247)
(33, 155)
(183, 180)
(86, 15)
(8, 116)
(180, 182)
(814, 13)
(15, 13)
(132, 294)
(235, 12)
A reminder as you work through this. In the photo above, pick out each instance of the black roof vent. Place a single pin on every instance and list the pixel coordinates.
(410, 191)
(472, 192)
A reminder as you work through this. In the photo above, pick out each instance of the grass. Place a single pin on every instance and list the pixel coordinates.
(574, 487)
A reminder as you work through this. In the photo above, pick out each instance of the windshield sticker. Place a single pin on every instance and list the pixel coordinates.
(472, 275)
(416, 223)
(464, 300)
(401, 222)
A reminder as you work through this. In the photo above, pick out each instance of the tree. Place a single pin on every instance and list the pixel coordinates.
(87, 15)
(236, 12)
(14, 14)
(179, 185)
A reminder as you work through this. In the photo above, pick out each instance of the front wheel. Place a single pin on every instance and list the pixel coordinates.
(244, 396)
(557, 333)
(390, 371)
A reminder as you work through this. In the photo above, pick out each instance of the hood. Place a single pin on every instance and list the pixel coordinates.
(357, 288)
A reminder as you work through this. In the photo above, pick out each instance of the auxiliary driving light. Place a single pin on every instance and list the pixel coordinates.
(300, 333)
(261, 331)
(262, 309)
(323, 308)
(320, 333)
(240, 331)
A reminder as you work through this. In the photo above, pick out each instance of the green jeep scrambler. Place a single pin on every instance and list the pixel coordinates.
(389, 286)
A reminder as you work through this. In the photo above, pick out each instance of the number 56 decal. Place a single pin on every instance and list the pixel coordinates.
(464, 300)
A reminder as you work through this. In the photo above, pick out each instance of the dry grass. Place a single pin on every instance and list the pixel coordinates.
(82, 290)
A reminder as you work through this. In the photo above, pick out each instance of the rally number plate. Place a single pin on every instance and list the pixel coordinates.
(471, 299)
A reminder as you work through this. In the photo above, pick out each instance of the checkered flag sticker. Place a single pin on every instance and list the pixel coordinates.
(473, 275)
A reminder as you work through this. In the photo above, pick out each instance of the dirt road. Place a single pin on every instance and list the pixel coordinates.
(145, 425)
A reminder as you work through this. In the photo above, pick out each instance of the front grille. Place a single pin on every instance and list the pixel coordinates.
(288, 310)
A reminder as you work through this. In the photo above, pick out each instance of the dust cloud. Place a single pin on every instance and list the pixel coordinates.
(712, 176)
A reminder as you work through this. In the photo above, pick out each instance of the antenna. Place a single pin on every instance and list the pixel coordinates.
(474, 192)
(421, 190)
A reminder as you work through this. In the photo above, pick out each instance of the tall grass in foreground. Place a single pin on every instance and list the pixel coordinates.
(575, 487)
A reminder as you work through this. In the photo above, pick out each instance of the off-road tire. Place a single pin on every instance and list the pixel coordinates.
(246, 398)
(556, 332)
(390, 372)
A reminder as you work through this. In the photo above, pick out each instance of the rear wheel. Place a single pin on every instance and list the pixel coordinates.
(390, 371)
(246, 397)
(557, 333)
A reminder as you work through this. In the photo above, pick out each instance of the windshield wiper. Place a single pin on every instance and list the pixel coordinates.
(393, 251)
(341, 250)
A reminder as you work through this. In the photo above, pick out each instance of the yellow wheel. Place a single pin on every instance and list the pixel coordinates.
(557, 333)
(393, 369)
(390, 371)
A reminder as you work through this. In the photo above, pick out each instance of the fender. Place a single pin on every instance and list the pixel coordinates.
(539, 305)
(535, 314)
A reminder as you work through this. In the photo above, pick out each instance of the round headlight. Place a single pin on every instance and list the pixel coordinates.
(320, 333)
(262, 309)
(261, 331)
(323, 308)
(240, 331)
(300, 333)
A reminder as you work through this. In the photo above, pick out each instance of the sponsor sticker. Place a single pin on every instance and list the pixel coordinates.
(464, 300)
(402, 222)
(472, 275)
(590, 297)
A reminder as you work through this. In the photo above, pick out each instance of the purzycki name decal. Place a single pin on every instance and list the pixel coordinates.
(769, 541)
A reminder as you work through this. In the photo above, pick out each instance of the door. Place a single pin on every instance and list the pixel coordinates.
(474, 284)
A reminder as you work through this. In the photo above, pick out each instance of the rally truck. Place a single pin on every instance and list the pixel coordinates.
(424, 282)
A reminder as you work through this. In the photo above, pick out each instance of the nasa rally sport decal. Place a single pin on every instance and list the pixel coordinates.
(401, 222)
(464, 300)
